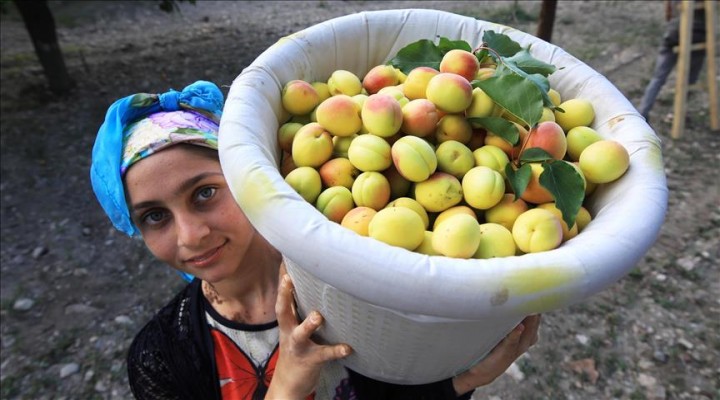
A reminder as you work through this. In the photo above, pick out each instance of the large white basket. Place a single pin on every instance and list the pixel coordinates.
(412, 318)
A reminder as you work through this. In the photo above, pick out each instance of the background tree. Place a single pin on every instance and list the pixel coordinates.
(40, 24)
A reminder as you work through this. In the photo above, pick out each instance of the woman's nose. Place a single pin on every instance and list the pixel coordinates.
(191, 230)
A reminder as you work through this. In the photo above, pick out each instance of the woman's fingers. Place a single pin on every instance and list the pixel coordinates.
(300, 333)
(284, 306)
(334, 352)
(530, 334)
(308, 327)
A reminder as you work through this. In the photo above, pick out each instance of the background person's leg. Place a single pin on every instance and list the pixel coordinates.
(663, 66)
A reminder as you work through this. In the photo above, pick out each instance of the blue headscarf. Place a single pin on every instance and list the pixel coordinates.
(202, 97)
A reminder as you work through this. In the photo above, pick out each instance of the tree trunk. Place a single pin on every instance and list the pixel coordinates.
(40, 25)
(547, 20)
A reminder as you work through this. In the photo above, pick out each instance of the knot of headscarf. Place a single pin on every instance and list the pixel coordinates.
(201, 97)
(170, 101)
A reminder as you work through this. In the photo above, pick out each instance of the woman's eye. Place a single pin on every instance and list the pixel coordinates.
(153, 217)
(206, 193)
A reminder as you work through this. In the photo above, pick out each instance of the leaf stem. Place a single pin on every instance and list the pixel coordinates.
(524, 144)
(484, 46)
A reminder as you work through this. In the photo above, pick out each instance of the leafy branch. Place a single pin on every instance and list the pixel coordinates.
(519, 86)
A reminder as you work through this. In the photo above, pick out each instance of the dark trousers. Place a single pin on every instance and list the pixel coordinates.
(667, 59)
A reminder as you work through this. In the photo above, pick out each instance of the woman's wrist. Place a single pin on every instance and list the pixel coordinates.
(461, 384)
(468, 381)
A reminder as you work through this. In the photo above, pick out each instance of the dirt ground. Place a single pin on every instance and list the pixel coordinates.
(74, 291)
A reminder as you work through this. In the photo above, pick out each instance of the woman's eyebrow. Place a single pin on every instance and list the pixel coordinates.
(143, 205)
(188, 184)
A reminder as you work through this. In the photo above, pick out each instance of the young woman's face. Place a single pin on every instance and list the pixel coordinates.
(181, 203)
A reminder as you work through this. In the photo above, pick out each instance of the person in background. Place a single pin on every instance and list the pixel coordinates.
(232, 332)
(667, 56)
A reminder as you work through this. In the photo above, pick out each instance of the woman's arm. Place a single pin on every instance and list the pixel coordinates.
(501, 357)
(298, 367)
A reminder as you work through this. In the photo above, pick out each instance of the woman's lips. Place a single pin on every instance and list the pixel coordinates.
(207, 258)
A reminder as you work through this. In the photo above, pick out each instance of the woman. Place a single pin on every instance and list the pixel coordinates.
(232, 332)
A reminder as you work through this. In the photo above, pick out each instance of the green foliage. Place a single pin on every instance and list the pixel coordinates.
(559, 177)
(535, 154)
(516, 94)
(421, 53)
(518, 177)
(520, 87)
(502, 44)
(499, 126)
(446, 45)
(566, 186)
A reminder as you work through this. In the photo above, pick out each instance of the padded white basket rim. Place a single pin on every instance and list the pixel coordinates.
(411, 283)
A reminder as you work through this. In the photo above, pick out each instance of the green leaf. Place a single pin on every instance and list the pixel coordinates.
(417, 54)
(539, 80)
(498, 126)
(502, 44)
(535, 154)
(524, 61)
(519, 96)
(519, 178)
(566, 185)
(446, 45)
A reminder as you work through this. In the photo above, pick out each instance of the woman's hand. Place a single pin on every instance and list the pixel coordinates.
(300, 360)
(501, 357)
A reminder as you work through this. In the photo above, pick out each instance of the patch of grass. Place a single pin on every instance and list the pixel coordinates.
(66, 20)
(612, 322)
(659, 287)
(605, 308)
(527, 367)
(691, 275)
(41, 385)
(638, 395)
(512, 14)
(678, 381)
(613, 363)
(588, 52)
(636, 274)
(565, 21)
(593, 350)
(20, 58)
(8, 303)
(57, 350)
(665, 303)
(10, 387)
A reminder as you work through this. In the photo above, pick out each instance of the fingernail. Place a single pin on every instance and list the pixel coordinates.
(315, 317)
(285, 280)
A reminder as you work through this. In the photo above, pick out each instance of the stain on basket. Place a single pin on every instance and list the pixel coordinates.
(615, 121)
(254, 193)
(543, 303)
(654, 157)
(500, 297)
(288, 39)
(536, 280)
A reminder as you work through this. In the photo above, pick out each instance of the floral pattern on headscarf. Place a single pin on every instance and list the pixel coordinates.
(163, 129)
